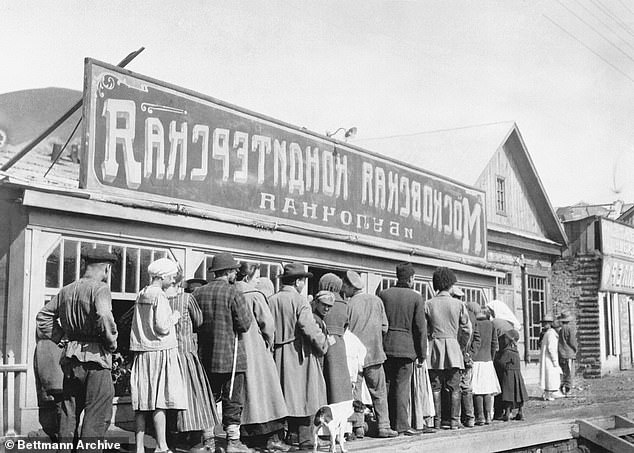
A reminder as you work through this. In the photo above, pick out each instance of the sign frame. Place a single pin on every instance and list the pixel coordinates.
(101, 77)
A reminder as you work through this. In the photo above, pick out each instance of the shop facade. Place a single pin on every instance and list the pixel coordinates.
(524, 235)
(595, 281)
(169, 173)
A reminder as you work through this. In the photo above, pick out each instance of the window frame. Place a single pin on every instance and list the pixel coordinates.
(500, 195)
(534, 325)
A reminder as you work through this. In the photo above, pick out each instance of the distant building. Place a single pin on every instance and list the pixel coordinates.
(595, 280)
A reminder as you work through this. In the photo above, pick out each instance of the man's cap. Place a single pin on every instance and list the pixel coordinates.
(547, 318)
(295, 270)
(99, 256)
(565, 317)
(326, 298)
(457, 292)
(330, 282)
(404, 271)
(354, 279)
(223, 261)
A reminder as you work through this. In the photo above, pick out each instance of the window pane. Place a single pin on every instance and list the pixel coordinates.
(70, 261)
(117, 270)
(131, 262)
(146, 259)
(200, 272)
(52, 268)
(208, 261)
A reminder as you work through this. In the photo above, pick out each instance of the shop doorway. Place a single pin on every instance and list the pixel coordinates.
(318, 272)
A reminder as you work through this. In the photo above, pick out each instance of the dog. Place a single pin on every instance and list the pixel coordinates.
(334, 418)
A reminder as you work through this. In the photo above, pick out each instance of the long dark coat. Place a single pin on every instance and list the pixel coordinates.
(298, 343)
(507, 363)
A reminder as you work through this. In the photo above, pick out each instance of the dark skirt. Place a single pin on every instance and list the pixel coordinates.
(513, 388)
(265, 429)
(336, 374)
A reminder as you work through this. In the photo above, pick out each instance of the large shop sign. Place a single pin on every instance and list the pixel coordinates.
(617, 275)
(165, 143)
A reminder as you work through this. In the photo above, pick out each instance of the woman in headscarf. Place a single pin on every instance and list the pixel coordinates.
(200, 415)
(264, 413)
(338, 386)
(485, 381)
(156, 378)
(503, 320)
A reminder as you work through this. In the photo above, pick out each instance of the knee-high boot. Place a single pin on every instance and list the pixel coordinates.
(456, 400)
(437, 408)
(488, 406)
(478, 402)
(467, 410)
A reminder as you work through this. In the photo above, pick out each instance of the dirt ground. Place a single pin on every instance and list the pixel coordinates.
(612, 394)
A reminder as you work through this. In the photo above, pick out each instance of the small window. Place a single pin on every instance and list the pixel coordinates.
(507, 280)
(500, 195)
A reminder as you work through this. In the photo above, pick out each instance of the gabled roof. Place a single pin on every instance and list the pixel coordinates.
(464, 153)
(461, 154)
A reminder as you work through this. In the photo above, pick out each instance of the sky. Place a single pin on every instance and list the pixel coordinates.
(563, 70)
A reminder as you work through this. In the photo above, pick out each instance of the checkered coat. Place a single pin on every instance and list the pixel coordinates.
(225, 315)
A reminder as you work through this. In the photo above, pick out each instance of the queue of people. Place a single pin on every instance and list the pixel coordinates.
(273, 360)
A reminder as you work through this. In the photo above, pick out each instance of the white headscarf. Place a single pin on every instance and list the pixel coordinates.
(502, 311)
(162, 268)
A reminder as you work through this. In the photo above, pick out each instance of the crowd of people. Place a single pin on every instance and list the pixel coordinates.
(274, 359)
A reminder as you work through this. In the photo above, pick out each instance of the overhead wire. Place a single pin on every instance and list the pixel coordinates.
(610, 15)
(591, 27)
(412, 134)
(609, 27)
(626, 7)
(616, 68)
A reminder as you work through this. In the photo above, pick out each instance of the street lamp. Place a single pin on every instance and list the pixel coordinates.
(349, 132)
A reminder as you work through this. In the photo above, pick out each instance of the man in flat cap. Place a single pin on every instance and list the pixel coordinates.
(299, 342)
(83, 309)
(226, 316)
(405, 341)
(367, 320)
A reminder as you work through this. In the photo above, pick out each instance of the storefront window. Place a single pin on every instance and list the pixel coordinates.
(267, 269)
(52, 269)
(71, 263)
(420, 286)
(537, 306)
(128, 275)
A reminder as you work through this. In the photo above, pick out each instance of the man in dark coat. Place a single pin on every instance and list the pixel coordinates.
(226, 316)
(84, 312)
(405, 340)
(299, 342)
